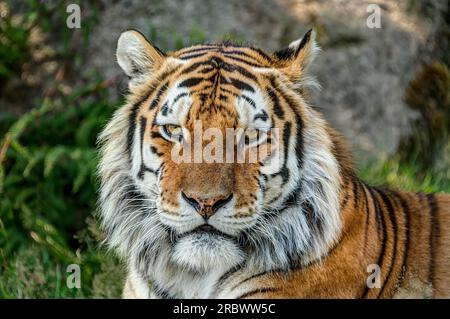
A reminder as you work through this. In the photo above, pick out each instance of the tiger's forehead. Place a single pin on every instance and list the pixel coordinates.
(216, 82)
(240, 54)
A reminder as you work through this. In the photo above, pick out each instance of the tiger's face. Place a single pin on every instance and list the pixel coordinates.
(216, 142)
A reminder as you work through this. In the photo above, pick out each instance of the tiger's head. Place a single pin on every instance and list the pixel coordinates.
(217, 160)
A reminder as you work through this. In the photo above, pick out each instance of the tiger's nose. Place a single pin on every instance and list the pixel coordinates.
(206, 207)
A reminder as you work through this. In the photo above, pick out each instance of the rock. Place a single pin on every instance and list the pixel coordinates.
(363, 71)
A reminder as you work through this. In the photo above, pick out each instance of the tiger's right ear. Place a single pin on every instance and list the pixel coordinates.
(136, 55)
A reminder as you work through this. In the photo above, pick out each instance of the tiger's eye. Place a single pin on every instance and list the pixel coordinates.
(173, 131)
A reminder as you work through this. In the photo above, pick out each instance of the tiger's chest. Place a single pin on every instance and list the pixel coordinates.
(187, 285)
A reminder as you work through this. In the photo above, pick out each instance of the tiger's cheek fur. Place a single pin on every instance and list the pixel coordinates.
(247, 188)
(169, 187)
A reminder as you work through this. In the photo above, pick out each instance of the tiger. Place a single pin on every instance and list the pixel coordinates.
(305, 227)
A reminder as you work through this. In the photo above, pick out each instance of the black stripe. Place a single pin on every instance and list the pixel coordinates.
(264, 117)
(434, 233)
(191, 82)
(392, 217)
(355, 192)
(133, 115)
(406, 214)
(238, 52)
(143, 169)
(316, 224)
(366, 212)
(155, 151)
(237, 84)
(132, 123)
(299, 146)
(211, 48)
(160, 292)
(237, 59)
(223, 97)
(161, 91)
(156, 135)
(192, 56)
(165, 109)
(262, 53)
(284, 171)
(286, 136)
(289, 52)
(249, 100)
(257, 291)
(250, 278)
(299, 135)
(346, 197)
(285, 54)
(227, 275)
(195, 66)
(143, 124)
(277, 109)
(378, 218)
(179, 96)
(207, 70)
(305, 40)
(382, 225)
(221, 64)
(231, 68)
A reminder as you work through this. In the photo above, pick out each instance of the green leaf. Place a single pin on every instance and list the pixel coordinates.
(52, 158)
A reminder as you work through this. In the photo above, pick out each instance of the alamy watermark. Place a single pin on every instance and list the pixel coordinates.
(225, 145)
(374, 279)
(74, 276)
(73, 20)
(373, 21)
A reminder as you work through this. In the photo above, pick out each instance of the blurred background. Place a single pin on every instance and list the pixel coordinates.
(386, 89)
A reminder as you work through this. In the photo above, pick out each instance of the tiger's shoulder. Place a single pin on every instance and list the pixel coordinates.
(394, 244)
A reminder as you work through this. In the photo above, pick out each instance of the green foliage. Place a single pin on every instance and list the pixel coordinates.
(429, 94)
(407, 176)
(48, 190)
(13, 48)
(170, 39)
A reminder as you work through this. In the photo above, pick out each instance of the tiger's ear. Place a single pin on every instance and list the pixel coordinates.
(295, 60)
(136, 55)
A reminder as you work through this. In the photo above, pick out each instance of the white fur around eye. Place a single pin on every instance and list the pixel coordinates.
(253, 137)
(252, 111)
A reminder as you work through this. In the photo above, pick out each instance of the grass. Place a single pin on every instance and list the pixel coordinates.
(406, 176)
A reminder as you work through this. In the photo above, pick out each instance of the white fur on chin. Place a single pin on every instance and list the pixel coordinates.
(203, 251)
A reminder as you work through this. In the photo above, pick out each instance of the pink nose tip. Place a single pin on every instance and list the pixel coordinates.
(206, 207)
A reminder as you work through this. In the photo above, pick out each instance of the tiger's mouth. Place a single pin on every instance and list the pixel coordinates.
(209, 229)
(206, 230)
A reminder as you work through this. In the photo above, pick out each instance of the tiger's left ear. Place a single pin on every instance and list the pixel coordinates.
(295, 60)
(136, 55)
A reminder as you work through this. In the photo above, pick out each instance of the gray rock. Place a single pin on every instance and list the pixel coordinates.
(363, 71)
